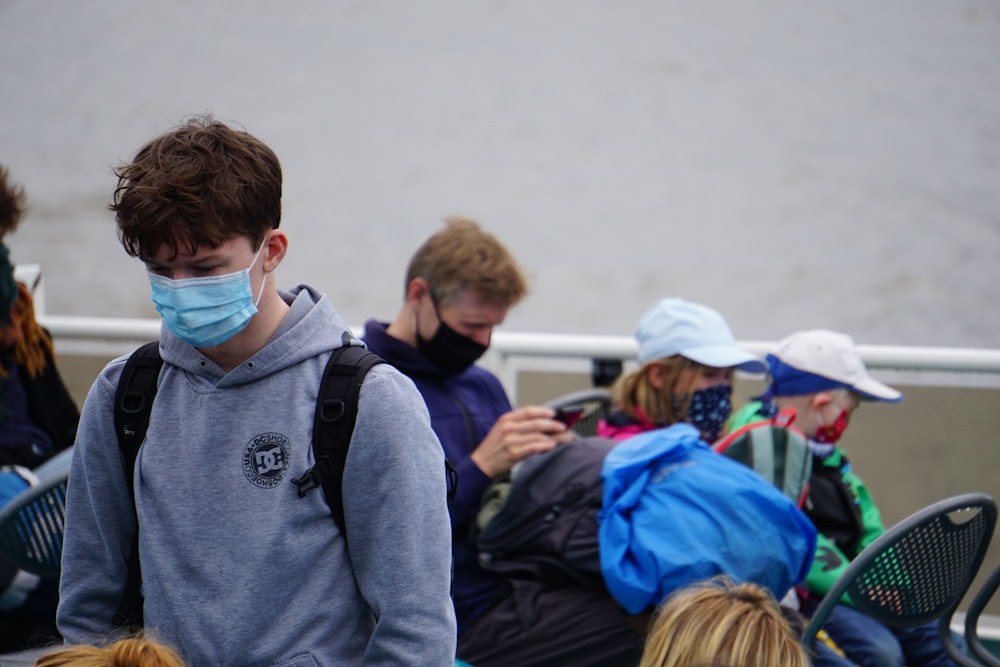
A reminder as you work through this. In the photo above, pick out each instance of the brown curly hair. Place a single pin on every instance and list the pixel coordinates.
(200, 184)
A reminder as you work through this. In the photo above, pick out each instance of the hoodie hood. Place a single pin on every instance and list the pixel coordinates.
(296, 340)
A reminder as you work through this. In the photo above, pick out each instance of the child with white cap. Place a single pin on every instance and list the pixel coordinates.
(687, 356)
(820, 375)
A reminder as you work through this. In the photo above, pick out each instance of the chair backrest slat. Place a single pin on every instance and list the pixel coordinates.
(31, 527)
(976, 607)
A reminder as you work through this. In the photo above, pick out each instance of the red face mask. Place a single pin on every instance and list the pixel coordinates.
(831, 434)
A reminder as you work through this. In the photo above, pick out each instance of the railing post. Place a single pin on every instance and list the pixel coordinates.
(604, 372)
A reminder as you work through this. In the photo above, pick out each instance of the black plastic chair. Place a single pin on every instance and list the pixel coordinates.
(918, 570)
(31, 524)
(596, 405)
(976, 607)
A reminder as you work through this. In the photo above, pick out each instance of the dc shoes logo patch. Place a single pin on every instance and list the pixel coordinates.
(265, 460)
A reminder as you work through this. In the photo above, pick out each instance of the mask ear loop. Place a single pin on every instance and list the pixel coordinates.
(263, 282)
(819, 412)
(434, 302)
(437, 309)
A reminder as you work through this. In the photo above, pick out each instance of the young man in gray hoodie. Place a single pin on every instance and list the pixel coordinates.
(237, 569)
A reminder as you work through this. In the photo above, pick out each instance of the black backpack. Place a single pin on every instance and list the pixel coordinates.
(541, 522)
(336, 413)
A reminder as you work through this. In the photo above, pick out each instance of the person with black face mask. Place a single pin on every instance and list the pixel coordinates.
(459, 286)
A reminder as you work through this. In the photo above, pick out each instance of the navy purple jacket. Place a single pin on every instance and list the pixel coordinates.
(463, 409)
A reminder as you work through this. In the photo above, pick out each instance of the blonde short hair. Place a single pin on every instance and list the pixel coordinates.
(720, 622)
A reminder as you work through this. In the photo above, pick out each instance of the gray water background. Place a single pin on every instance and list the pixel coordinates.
(793, 164)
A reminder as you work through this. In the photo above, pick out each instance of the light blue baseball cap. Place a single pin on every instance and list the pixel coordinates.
(696, 332)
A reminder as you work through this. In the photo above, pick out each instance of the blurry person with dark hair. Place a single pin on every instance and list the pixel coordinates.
(38, 419)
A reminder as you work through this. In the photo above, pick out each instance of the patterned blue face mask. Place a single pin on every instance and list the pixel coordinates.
(709, 410)
(204, 312)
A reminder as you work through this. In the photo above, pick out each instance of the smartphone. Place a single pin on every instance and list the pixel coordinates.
(569, 414)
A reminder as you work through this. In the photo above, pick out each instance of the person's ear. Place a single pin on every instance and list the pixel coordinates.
(820, 400)
(276, 246)
(416, 290)
(654, 375)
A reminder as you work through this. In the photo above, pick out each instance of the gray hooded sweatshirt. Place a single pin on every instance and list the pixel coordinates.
(236, 568)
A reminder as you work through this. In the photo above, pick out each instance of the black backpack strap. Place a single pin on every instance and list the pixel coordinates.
(336, 414)
(133, 404)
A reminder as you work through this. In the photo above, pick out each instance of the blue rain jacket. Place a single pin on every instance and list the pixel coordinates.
(675, 512)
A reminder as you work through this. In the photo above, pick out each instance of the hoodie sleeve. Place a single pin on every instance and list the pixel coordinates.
(398, 529)
(871, 519)
(100, 523)
(490, 404)
(830, 561)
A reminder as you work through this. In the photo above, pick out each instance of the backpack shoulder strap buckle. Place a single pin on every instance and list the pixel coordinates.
(309, 481)
(314, 477)
(331, 410)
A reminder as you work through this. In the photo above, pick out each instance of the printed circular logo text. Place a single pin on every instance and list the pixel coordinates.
(265, 459)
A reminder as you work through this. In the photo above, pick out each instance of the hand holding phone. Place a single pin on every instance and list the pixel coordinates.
(569, 414)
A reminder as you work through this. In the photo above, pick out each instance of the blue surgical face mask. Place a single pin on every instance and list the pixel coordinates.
(709, 410)
(208, 311)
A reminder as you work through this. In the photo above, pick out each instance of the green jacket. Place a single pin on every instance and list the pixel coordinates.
(859, 524)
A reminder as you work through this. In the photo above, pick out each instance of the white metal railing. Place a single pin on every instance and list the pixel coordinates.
(511, 344)
(511, 352)
(921, 365)
(892, 357)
